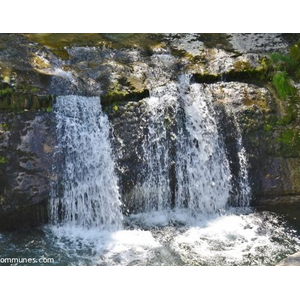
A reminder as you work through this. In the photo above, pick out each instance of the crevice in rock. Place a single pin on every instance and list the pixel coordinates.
(251, 76)
(111, 98)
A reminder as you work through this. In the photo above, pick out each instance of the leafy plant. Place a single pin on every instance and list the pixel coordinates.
(283, 62)
(283, 86)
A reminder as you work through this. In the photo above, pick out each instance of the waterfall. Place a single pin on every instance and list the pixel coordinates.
(184, 152)
(244, 192)
(156, 192)
(186, 164)
(202, 168)
(90, 195)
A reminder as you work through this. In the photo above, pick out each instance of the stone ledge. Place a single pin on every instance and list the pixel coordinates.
(279, 200)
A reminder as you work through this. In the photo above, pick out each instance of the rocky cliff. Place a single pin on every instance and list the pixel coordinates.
(253, 75)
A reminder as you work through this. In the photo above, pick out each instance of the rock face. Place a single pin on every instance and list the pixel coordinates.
(292, 260)
(27, 144)
(123, 70)
(129, 123)
(273, 167)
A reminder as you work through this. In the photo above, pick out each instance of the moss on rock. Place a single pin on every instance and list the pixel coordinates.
(23, 97)
(122, 91)
(289, 142)
(242, 71)
(59, 43)
(3, 160)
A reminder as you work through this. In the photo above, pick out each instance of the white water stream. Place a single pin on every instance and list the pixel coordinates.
(199, 229)
(90, 196)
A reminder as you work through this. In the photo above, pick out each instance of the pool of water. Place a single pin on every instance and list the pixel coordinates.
(235, 237)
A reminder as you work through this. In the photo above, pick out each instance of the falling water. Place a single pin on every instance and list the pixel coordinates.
(156, 187)
(88, 199)
(90, 196)
(203, 175)
(201, 170)
(154, 191)
(243, 178)
(244, 190)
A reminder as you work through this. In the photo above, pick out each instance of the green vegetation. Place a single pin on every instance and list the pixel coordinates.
(282, 71)
(115, 107)
(113, 96)
(167, 120)
(285, 68)
(282, 62)
(118, 93)
(289, 63)
(6, 91)
(3, 160)
(278, 68)
(4, 127)
(268, 127)
(59, 42)
(241, 66)
(283, 86)
(289, 142)
(242, 71)
(112, 107)
(289, 118)
(23, 97)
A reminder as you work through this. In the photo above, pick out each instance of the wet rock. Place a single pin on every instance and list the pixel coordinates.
(260, 42)
(274, 177)
(27, 145)
(129, 124)
(123, 69)
(292, 260)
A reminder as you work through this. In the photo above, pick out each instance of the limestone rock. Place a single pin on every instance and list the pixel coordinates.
(292, 260)
(25, 178)
(123, 69)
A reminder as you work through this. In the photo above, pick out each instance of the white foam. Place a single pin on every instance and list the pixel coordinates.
(234, 240)
(64, 74)
(123, 247)
(219, 239)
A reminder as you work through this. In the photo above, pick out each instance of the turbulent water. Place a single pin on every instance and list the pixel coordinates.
(89, 196)
(164, 238)
(192, 225)
(182, 118)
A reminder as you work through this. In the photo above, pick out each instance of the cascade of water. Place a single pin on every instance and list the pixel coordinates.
(90, 195)
(155, 189)
(202, 169)
(244, 191)
(202, 175)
